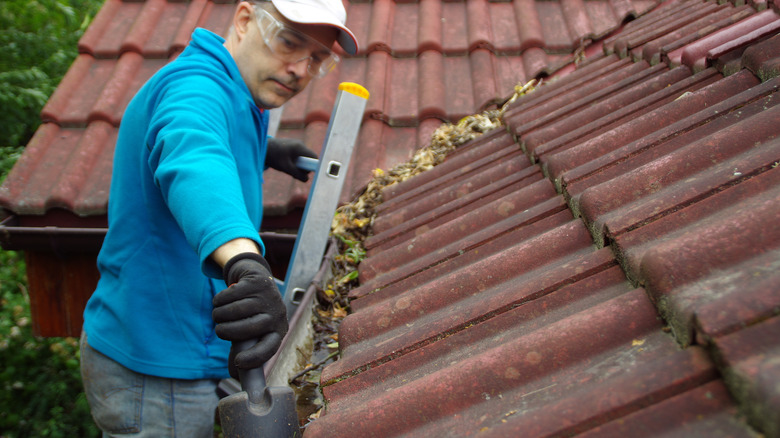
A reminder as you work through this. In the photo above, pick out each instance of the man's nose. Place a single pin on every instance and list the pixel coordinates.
(299, 68)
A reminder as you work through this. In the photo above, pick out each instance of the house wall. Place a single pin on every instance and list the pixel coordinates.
(60, 282)
(59, 287)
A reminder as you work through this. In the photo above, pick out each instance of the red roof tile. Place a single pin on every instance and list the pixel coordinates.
(532, 293)
(748, 358)
(633, 290)
(423, 63)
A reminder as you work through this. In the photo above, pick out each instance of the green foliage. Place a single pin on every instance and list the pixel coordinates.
(39, 40)
(354, 250)
(8, 156)
(40, 384)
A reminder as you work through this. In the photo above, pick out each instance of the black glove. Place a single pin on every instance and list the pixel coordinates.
(282, 153)
(251, 308)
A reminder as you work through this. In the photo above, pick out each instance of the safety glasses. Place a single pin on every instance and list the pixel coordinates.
(291, 46)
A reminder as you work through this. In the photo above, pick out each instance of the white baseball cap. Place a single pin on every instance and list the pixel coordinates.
(323, 12)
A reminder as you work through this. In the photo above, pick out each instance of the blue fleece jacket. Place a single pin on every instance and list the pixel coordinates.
(187, 178)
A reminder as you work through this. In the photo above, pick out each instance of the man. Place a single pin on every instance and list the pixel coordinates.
(184, 214)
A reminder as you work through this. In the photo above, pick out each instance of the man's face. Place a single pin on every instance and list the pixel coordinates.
(271, 80)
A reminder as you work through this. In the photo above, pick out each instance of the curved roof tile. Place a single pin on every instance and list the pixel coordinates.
(423, 62)
(605, 265)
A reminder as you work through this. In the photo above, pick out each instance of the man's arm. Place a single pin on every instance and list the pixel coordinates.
(232, 248)
(251, 308)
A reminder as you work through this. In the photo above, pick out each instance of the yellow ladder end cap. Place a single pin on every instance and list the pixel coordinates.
(353, 88)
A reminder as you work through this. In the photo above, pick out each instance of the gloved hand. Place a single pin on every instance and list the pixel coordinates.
(282, 153)
(251, 308)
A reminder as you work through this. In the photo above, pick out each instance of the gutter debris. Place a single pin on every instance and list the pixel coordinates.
(352, 224)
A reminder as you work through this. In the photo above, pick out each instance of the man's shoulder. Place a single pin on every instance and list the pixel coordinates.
(205, 48)
(199, 73)
(204, 62)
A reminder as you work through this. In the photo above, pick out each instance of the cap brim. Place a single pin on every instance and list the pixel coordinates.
(305, 14)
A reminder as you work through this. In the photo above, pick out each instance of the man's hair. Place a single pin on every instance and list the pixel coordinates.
(261, 3)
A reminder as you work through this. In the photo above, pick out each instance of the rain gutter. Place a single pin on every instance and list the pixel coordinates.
(59, 239)
(288, 359)
(49, 238)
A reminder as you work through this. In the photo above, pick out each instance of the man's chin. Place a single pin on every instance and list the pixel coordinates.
(270, 100)
(272, 103)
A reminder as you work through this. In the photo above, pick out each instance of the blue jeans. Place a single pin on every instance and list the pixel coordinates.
(129, 404)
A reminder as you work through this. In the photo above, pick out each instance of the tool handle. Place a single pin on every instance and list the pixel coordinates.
(252, 380)
(307, 163)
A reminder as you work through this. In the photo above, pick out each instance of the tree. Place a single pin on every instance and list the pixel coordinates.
(39, 40)
(41, 388)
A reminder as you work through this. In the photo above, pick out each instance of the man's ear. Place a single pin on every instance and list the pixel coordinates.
(241, 19)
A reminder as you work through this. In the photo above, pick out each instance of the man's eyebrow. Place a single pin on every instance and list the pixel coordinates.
(295, 33)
